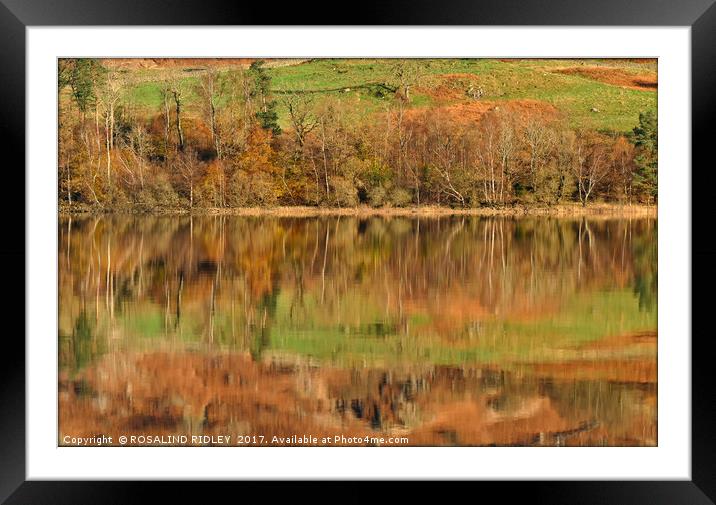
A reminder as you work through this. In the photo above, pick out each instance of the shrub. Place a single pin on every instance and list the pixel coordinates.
(400, 197)
(345, 193)
(313, 194)
(162, 193)
(238, 190)
(145, 199)
(377, 196)
(247, 190)
(119, 199)
(263, 191)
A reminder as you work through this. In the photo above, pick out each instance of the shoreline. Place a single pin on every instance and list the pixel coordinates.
(561, 210)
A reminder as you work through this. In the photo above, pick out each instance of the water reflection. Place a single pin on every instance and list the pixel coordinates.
(451, 331)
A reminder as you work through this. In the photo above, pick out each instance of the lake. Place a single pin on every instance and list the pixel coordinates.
(452, 330)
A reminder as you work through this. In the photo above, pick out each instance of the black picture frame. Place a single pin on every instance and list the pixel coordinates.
(16, 15)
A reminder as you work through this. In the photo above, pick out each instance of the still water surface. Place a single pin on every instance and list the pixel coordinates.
(459, 330)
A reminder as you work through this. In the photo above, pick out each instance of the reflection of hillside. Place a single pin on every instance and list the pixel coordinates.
(212, 394)
(452, 330)
(223, 277)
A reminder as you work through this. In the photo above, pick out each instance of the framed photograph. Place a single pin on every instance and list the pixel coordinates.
(423, 246)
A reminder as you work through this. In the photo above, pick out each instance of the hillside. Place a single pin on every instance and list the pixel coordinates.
(604, 95)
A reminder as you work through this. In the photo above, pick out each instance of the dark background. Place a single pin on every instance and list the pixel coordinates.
(16, 14)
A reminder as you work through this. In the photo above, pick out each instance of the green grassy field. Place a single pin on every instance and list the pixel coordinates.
(359, 80)
(585, 318)
(315, 334)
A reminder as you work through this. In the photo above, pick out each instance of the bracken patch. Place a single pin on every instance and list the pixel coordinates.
(614, 76)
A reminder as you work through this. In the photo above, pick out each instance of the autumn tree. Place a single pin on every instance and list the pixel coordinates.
(266, 114)
(405, 73)
(173, 91)
(565, 159)
(590, 165)
(84, 76)
(79, 143)
(623, 162)
(539, 140)
(255, 180)
(189, 171)
(646, 160)
(486, 164)
(301, 114)
(209, 89)
(445, 163)
(109, 95)
(235, 117)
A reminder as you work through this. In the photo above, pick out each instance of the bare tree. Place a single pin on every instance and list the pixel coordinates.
(487, 161)
(209, 90)
(176, 93)
(301, 115)
(590, 167)
(234, 116)
(539, 140)
(138, 148)
(565, 159)
(327, 118)
(506, 146)
(405, 137)
(109, 95)
(405, 74)
(446, 155)
(189, 168)
(166, 92)
(173, 88)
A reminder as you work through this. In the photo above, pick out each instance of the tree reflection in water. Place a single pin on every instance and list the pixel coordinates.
(454, 330)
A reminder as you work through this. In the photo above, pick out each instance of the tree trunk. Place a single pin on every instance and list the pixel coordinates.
(180, 134)
(166, 125)
(111, 124)
(69, 193)
(107, 147)
(325, 161)
(214, 133)
(99, 143)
